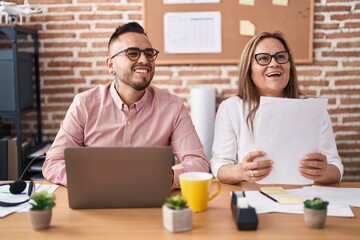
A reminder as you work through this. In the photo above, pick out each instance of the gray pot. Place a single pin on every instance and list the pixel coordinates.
(177, 220)
(315, 218)
(40, 219)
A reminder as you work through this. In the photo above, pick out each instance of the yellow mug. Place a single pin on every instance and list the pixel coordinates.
(196, 188)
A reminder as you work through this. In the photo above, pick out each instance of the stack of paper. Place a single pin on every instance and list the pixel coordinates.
(281, 132)
(340, 200)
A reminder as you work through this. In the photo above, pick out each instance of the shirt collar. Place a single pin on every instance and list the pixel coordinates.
(139, 104)
(119, 102)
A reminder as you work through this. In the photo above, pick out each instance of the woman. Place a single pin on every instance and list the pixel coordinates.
(266, 69)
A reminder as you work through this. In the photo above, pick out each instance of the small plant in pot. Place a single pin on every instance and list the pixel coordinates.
(315, 212)
(177, 216)
(41, 209)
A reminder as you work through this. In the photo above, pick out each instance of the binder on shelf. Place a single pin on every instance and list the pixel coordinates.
(39, 151)
(12, 158)
(4, 158)
(4, 129)
(7, 80)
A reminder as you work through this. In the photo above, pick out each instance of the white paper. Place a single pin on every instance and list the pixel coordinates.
(6, 196)
(203, 116)
(340, 196)
(262, 204)
(192, 32)
(189, 1)
(287, 130)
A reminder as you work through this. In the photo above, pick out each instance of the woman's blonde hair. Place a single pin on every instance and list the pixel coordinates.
(247, 89)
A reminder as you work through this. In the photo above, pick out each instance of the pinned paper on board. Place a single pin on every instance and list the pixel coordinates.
(280, 2)
(247, 28)
(247, 2)
(192, 32)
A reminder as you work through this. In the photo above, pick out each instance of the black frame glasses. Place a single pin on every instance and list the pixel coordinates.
(264, 59)
(134, 53)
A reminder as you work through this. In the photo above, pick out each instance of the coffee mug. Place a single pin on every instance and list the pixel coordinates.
(196, 188)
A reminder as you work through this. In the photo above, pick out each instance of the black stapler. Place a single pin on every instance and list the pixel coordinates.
(244, 215)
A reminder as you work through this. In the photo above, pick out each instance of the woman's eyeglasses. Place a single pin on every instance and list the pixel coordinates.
(134, 53)
(264, 59)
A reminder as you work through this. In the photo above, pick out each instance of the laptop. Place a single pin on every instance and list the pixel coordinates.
(114, 177)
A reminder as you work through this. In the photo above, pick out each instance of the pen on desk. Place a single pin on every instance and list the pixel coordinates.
(266, 195)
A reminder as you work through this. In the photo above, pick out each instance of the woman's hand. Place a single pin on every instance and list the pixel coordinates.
(315, 167)
(253, 171)
(248, 170)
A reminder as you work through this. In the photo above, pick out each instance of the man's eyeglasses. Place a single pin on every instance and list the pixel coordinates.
(264, 59)
(134, 53)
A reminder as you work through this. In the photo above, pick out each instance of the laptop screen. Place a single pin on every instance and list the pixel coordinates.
(111, 177)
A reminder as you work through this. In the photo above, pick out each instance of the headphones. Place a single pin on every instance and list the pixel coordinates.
(16, 188)
(19, 186)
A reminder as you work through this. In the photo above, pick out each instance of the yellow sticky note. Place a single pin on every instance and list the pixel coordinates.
(247, 28)
(247, 2)
(289, 200)
(273, 190)
(280, 2)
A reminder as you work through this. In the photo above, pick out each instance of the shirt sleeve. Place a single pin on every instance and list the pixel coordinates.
(187, 147)
(224, 149)
(328, 145)
(71, 134)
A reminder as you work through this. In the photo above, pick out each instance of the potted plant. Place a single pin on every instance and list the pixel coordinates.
(177, 216)
(315, 212)
(41, 209)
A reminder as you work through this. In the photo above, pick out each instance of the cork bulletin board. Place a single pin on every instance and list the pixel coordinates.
(295, 21)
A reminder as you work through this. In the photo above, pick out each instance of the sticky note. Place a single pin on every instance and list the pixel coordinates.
(273, 190)
(289, 199)
(280, 2)
(247, 2)
(247, 28)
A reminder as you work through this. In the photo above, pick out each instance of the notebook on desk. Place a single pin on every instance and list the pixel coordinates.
(107, 177)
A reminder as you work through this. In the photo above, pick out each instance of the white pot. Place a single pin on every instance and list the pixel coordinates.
(315, 218)
(177, 220)
(40, 219)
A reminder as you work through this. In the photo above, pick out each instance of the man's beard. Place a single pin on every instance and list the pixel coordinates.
(138, 86)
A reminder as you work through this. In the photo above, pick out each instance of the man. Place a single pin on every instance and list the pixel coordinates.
(128, 112)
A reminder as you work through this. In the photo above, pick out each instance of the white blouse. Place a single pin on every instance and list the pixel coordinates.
(233, 139)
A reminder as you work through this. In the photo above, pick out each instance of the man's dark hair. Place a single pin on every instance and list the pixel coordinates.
(128, 27)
